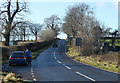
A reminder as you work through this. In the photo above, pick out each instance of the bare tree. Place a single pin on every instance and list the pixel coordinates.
(65, 28)
(47, 35)
(20, 31)
(80, 22)
(1, 31)
(53, 23)
(35, 29)
(0, 34)
(14, 34)
(11, 13)
(106, 32)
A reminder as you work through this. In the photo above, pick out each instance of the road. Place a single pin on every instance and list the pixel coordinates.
(54, 65)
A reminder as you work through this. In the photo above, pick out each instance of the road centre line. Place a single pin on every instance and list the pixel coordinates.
(31, 71)
(84, 76)
(33, 76)
(55, 58)
(58, 61)
(66, 66)
(34, 79)
(76, 71)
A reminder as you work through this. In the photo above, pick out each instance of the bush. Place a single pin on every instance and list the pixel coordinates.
(6, 51)
(47, 34)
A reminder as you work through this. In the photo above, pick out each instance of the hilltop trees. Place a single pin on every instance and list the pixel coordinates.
(35, 29)
(53, 22)
(20, 32)
(11, 14)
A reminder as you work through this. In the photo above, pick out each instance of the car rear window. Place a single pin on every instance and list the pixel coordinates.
(17, 55)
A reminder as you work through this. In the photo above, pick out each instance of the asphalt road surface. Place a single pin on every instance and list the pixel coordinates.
(54, 65)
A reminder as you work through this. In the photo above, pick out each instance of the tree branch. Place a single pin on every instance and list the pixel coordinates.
(15, 25)
(3, 12)
(17, 8)
(8, 10)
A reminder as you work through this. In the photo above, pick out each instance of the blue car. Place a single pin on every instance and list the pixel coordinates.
(17, 58)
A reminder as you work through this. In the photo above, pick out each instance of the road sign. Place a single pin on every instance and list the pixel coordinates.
(78, 42)
(70, 38)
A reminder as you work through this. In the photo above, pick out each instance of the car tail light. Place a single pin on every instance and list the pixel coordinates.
(10, 58)
(24, 57)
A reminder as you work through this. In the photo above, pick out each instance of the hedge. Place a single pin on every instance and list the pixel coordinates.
(6, 51)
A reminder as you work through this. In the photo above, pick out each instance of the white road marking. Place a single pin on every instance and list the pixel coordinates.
(58, 61)
(55, 58)
(85, 76)
(32, 73)
(34, 79)
(33, 76)
(75, 72)
(66, 66)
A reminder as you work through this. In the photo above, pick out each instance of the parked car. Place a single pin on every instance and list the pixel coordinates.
(55, 45)
(17, 58)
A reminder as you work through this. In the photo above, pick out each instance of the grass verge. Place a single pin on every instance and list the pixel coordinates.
(107, 61)
(12, 78)
(38, 52)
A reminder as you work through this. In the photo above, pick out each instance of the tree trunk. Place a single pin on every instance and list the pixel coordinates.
(36, 38)
(1, 38)
(24, 37)
(7, 39)
(68, 36)
(24, 34)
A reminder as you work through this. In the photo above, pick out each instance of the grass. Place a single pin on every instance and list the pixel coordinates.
(107, 61)
(12, 78)
(37, 53)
